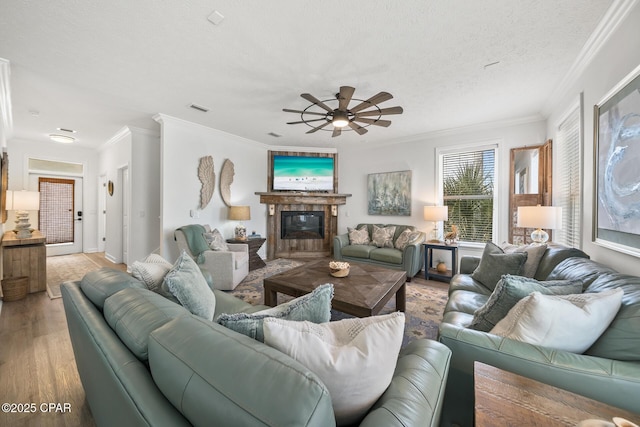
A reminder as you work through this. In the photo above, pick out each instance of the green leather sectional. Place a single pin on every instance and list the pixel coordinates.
(145, 361)
(410, 259)
(609, 371)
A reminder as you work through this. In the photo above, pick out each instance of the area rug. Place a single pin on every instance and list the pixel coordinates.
(425, 303)
(62, 268)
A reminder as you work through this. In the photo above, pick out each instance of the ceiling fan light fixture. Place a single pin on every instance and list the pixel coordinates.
(63, 139)
(340, 119)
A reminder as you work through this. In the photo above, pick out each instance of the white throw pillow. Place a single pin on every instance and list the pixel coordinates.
(355, 358)
(186, 282)
(563, 322)
(151, 271)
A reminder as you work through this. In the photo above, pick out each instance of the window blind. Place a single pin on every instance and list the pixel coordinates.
(468, 187)
(568, 180)
(56, 210)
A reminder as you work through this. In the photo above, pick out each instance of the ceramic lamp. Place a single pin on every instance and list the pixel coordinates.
(540, 217)
(24, 201)
(240, 213)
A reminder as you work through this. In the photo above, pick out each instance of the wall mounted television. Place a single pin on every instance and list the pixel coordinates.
(303, 172)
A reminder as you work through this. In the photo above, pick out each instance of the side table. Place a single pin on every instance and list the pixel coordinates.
(25, 257)
(430, 271)
(254, 246)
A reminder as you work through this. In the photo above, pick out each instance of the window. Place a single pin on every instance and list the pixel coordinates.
(468, 191)
(568, 179)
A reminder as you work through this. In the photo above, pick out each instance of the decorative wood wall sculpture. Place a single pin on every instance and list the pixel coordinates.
(226, 178)
(208, 178)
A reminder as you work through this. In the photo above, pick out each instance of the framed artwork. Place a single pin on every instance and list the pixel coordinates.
(389, 193)
(616, 200)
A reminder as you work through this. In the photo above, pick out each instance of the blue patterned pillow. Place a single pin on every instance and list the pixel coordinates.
(186, 282)
(314, 307)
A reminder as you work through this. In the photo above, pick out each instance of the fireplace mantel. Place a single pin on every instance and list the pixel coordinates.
(279, 201)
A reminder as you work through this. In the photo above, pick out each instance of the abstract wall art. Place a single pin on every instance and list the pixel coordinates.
(389, 193)
(616, 222)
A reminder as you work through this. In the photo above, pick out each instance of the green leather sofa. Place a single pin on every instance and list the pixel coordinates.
(145, 361)
(411, 259)
(614, 380)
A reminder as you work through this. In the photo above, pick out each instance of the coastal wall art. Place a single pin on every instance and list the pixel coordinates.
(207, 177)
(616, 222)
(226, 178)
(389, 193)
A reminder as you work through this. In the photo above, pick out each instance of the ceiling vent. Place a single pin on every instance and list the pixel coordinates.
(66, 130)
(273, 134)
(199, 108)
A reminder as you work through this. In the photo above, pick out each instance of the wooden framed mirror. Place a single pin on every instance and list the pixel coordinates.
(530, 184)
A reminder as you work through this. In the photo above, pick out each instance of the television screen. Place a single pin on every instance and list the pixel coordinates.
(302, 173)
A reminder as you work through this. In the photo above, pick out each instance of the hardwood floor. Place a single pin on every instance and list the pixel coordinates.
(37, 365)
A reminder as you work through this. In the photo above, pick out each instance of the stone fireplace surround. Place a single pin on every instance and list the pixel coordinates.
(279, 201)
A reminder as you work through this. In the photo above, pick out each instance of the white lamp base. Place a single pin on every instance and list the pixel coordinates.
(23, 228)
(539, 236)
(241, 232)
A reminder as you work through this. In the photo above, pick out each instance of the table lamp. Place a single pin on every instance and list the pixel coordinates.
(539, 217)
(435, 214)
(24, 201)
(240, 213)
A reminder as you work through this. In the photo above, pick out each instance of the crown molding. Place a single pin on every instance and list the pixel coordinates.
(613, 18)
(6, 123)
(125, 131)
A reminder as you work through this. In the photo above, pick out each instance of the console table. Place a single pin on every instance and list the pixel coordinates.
(25, 257)
(254, 246)
(504, 398)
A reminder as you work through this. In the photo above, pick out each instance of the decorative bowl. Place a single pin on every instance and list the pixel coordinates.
(339, 269)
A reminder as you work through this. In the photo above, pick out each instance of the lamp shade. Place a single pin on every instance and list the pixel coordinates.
(436, 213)
(9, 203)
(549, 217)
(239, 213)
(26, 200)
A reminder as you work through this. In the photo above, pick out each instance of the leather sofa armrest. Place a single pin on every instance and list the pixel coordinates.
(468, 263)
(339, 242)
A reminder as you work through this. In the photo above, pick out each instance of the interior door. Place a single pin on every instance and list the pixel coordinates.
(60, 216)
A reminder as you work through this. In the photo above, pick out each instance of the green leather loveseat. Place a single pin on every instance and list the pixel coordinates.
(609, 371)
(146, 361)
(409, 259)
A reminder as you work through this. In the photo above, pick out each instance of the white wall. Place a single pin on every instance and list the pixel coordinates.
(20, 151)
(618, 57)
(183, 144)
(419, 156)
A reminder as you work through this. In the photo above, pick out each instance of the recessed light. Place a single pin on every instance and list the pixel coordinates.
(63, 139)
(66, 130)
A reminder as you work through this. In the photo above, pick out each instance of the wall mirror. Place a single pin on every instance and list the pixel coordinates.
(530, 185)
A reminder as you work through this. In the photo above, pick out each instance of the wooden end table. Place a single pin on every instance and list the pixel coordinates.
(254, 246)
(430, 271)
(364, 292)
(506, 399)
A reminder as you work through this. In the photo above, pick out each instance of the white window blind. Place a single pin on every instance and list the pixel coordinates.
(467, 189)
(568, 180)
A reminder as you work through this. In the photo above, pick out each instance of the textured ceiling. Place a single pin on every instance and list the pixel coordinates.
(96, 66)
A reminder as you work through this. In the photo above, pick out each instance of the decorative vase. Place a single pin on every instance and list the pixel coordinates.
(441, 267)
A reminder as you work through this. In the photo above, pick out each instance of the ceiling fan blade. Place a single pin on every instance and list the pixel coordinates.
(374, 100)
(336, 132)
(382, 111)
(344, 97)
(287, 110)
(318, 128)
(305, 121)
(379, 122)
(316, 101)
(359, 129)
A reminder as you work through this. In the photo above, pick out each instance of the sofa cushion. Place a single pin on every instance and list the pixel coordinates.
(382, 237)
(314, 307)
(388, 255)
(563, 322)
(408, 237)
(186, 282)
(358, 236)
(358, 251)
(215, 240)
(621, 340)
(553, 256)
(100, 284)
(355, 358)
(134, 313)
(534, 255)
(495, 263)
(151, 271)
(575, 268)
(511, 289)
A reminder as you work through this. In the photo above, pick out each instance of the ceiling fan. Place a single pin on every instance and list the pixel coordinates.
(358, 117)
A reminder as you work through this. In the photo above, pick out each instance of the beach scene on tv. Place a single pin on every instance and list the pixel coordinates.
(302, 173)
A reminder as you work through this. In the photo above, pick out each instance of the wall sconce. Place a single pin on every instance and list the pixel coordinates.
(272, 210)
(334, 210)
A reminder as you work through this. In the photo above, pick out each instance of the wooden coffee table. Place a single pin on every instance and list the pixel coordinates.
(506, 399)
(362, 293)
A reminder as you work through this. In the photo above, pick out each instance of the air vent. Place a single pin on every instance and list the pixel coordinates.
(199, 108)
(66, 130)
(273, 134)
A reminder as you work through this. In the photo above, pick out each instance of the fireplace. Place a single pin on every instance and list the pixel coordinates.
(302, 225)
